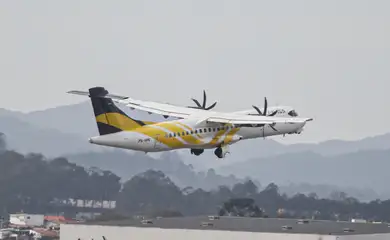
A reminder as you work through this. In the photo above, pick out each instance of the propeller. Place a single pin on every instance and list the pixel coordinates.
(265, 109)
(202, 106)
(264, 113)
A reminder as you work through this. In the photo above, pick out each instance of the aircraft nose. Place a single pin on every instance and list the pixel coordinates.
(300, 127)
(92, 139)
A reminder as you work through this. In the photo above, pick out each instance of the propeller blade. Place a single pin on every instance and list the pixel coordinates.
(211, 106)
(273, 113)
(204, 99)
(257, 109)
(196, 102)
(192, 107)
(203, 105)
(265, 106)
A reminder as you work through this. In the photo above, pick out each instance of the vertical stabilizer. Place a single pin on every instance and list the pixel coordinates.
(109, 118)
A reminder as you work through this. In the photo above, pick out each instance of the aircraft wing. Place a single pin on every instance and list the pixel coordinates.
(165, 109)
(171, 110)
(229, 118)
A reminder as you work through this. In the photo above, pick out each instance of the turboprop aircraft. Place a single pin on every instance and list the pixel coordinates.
(196, 128)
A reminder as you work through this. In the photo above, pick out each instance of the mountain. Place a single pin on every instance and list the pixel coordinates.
(327, 191)
(70, 126)
(53, 132)
(264, 148)
(25, 138)
(346, 164)
(362, 169)
(127, 165)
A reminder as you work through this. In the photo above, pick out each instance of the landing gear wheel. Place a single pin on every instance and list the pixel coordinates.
(197, 152)
(218, 152)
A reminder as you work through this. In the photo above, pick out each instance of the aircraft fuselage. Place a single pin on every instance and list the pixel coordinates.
(185, 133)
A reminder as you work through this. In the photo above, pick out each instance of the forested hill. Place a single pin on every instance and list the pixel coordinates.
(35, 184)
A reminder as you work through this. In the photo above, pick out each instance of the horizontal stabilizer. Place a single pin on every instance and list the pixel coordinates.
(109, 95)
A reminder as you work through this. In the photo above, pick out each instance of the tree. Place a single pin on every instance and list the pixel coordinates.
(245, 189)
(242, 207)
(3, 145)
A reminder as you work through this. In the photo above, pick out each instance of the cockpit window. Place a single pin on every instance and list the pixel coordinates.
(292, 113)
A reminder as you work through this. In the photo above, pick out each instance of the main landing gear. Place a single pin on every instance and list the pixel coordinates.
(221, 151)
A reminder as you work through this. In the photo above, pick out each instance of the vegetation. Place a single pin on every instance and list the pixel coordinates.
(38, 185)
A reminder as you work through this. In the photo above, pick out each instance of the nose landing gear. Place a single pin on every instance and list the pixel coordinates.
(197, 152)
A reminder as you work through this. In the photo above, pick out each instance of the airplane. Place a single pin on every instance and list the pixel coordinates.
(195, 127)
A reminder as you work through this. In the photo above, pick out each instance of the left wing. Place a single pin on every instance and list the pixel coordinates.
(167, 109)
(164, 109)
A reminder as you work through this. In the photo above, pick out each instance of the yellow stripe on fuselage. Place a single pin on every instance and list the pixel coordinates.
(159, 135)
(119, 121)
(191, 129)
(126, 124)
(217, 136)
(228, 139)
(175, 129)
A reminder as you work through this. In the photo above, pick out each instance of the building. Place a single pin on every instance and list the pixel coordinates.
(195, 228)
(24, 219)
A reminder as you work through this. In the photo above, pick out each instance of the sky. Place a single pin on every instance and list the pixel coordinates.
(328, 59)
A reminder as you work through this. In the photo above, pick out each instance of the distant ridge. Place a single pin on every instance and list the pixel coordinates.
(64, 131)
(76, 122)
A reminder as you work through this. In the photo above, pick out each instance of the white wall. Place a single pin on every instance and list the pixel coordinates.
(27, 219)
(383, 236)
(87, 232)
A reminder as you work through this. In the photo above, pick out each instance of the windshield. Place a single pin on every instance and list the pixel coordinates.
(292, 113)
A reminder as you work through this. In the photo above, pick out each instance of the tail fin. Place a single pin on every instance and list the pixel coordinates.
(109, 118)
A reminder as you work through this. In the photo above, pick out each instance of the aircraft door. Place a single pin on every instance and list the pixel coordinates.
(157, 142)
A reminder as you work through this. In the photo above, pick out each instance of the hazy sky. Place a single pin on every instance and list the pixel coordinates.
(328, 59)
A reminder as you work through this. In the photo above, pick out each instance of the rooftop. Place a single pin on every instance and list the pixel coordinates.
(274, 225)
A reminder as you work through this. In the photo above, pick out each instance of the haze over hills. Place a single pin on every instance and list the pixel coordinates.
(25, 137)
(353, 165)
(78, 121)
(127, 165)
(362, 169)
